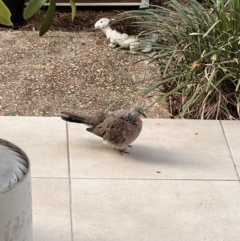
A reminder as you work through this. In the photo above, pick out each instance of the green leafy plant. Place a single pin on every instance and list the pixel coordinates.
(198, 54)
(32, 7)
(4, 15)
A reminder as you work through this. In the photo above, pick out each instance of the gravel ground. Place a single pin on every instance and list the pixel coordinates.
(74, 71)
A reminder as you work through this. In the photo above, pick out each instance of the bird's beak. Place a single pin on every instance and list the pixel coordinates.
(144, 115)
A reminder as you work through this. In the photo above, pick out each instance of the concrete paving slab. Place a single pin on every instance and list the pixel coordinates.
(155, 210)
(166, 149)
(232, 132)
(43, 140)
(137, 196)
(51, 209)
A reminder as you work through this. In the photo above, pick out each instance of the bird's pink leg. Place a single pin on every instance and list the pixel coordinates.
(121, 151)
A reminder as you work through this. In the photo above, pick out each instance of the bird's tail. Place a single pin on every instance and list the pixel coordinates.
(85, 119)
(71, 117)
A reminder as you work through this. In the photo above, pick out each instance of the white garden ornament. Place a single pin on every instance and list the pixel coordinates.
(124, 40)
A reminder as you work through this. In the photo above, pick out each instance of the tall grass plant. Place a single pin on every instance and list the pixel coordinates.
(198, 54)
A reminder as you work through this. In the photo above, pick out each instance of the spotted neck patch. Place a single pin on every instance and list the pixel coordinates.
(129, 118)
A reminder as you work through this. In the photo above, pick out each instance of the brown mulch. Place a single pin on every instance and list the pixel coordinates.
(72, 68)
(83, 21)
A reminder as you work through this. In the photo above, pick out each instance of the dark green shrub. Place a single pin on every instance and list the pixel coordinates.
(198, 53)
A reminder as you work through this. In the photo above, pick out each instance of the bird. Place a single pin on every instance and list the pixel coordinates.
(119, 128)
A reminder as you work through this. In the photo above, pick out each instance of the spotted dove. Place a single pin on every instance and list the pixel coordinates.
(119, 128)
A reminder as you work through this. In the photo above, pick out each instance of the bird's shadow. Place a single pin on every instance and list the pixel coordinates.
(144, 153)
(154, 154)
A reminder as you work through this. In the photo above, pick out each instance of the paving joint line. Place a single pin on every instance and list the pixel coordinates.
(138, 179)
(66, 178)
(230, 150)
(154, 179)
(69, 182)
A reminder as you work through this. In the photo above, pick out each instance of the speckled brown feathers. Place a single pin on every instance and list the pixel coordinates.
(119, 128)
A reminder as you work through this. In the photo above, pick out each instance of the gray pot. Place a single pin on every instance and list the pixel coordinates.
(15, 194)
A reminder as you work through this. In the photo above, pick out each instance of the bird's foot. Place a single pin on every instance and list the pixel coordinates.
(121, 151)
